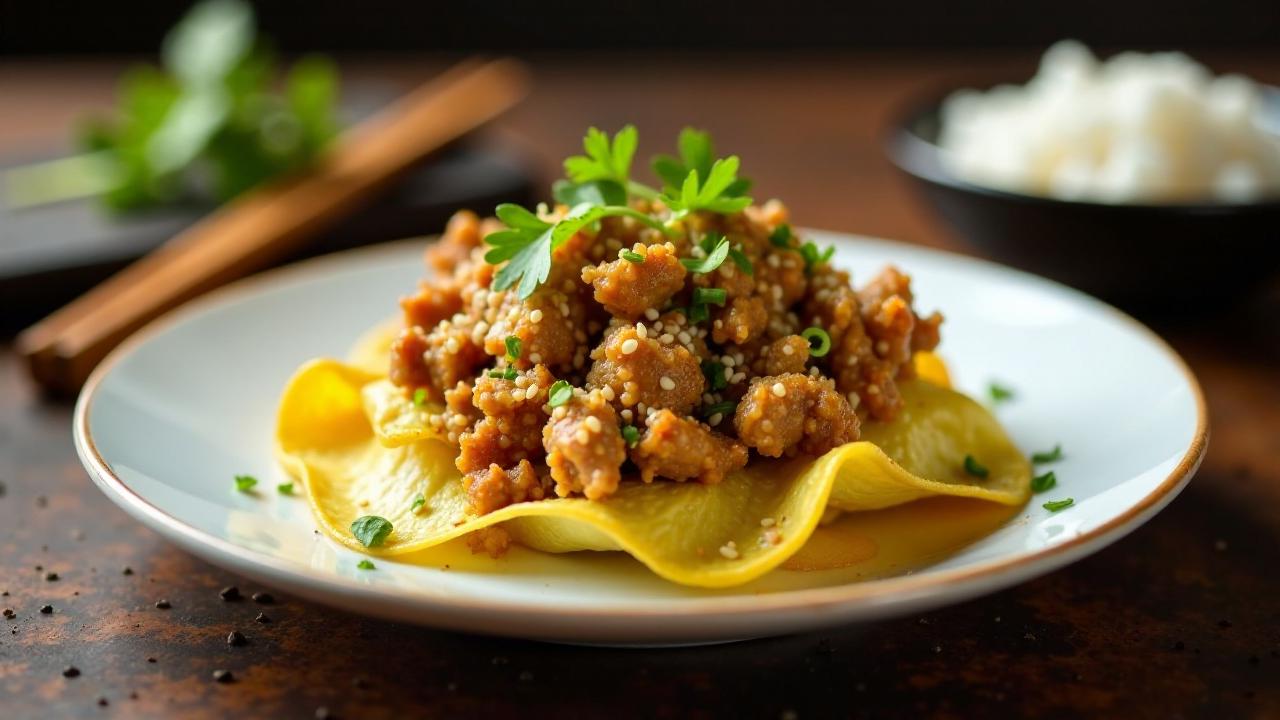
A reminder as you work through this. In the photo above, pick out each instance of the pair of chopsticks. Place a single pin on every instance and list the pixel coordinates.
(268, 223)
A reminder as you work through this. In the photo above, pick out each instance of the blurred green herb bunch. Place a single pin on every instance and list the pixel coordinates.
(214, 120)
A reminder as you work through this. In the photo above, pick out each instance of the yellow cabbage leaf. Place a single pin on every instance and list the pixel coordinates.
(362, 448)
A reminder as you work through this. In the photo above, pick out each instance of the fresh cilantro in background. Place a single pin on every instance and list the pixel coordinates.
(559, 394)
(245, 483)
(1053, 455)
(974, 468)
(366, 565)
(207, 123)
(1047, 481)
(999, 393)
(710, 194)
(371, 530)
(285, 488)
(814, 257)
(781, 236)
(604, 160)
(1056, 505)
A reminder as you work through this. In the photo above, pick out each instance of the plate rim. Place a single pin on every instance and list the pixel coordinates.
(880, 594)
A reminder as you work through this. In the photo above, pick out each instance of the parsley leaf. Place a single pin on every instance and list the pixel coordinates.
(974, 468)
(1056, 505)
(1040, 483)
(1053, 455)
(529, 241)
(781, 236)
(418, 501)
(696, 153)
(371, 530)
(366, 565)
(710, 194)
(514, 347)
(245, 483)
(632, 256)
(714, 372)
(604, 161)
(596, 192)
(740, 259)
(716, 255)
(814, 257)
(561, 392)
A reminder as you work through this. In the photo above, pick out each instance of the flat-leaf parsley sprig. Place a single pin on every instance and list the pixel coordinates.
(696, 153)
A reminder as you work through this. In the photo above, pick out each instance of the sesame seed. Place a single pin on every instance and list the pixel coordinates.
(738, 377)
(767, 522)
(854, 400)
(629, 346)
(718, 324)
(626, 415)
(773, 261)
(873, 389)
(684, 337)
(766, 425)
(777, 292)
(535, 358)
(607, 392)
(667, 383)
(727, 360)
(729, 551)
(451, 345)
(788, 350)
(667, 338)
(715, 419)
(531, 392)
(582, 436)
(641, 330)
(535, 317)
(564, 309)
(560, 412)
(651, 314)
(593, 423)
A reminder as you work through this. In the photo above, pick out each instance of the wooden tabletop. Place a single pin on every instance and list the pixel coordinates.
(1180, 619)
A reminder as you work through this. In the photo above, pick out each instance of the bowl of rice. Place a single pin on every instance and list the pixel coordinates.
(1142, 178)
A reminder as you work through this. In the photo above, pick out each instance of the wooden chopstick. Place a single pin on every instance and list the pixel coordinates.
(266, 224)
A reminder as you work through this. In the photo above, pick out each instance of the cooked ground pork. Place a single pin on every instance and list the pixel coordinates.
(681, 448)
(696, 387)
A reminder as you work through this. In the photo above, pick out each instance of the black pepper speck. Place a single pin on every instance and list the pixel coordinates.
(223, 676)
(102, 702)
(322, 713)
(51, 577)
(71, 671)
(230, 593)
(46, 609)
(236, 639)
(263, 598)
(163, 604)
(262, 618)
(127, 570)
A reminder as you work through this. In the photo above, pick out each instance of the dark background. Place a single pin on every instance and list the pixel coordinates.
(101, 26)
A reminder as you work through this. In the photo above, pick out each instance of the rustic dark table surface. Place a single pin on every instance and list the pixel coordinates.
(1180, 619)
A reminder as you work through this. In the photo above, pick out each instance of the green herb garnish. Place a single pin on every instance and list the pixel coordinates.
(418, 501)
(1056, 505)
(999, 393)
(630, 435)
(781, 236)
(696, 153)
(698, 313)
(245, 483)
(285, 488)
(507, 374)
(371, 530)
(717, 249)
(714, 372)
(721, 408)
(814, 257)
(420, 397)
(632, 256)
(1053, 455)
(514, 347)
(819, 341)
(740, 259)
(604, 160)
(709, 296)
(710, 194)
(559, 394)
(974, 468)
(366, 565)
(1040, 483)
(210, 121)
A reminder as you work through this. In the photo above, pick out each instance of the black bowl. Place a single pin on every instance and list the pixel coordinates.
(1143, 256)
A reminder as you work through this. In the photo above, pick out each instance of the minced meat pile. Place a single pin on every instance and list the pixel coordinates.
(672, 373)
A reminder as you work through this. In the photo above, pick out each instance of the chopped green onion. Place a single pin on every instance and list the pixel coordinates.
(366, 565)
(559, 394)
(371, 530)
(974, 468)
(1053, 455)
(506, 374)
(285, 488)
(630, 435)
(632, 256)
(697, 313)
(740, 259)
(1040, 483)
(781, 236)
(714, 372)
(720, 408)
(513, 348)
(420, 397)
(245, 483)
(999, 393)
(418, 501)
(1056, 505)
(819, 341)
(704, 296)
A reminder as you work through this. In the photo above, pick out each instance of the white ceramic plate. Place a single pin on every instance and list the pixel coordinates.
(175, 413)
